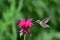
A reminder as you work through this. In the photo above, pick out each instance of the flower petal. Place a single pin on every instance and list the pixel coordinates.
(21, 23)
(28, 23)
(21, 33)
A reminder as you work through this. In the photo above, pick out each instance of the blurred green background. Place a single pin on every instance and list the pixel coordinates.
(11, 11)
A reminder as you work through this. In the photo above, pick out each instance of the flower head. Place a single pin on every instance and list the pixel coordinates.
(25, 25)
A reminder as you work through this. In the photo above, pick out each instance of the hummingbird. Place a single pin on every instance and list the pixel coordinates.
(43, 22)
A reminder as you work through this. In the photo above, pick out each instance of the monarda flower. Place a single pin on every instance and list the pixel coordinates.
(25, 25)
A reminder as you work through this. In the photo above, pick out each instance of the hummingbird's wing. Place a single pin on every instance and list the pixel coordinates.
(46, 20)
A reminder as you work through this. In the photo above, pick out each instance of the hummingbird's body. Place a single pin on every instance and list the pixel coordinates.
(43, 22)
(43, 25)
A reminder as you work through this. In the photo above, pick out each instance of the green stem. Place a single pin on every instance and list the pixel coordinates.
(24, 36)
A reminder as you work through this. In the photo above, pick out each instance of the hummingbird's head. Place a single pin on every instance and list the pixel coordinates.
(38, 21)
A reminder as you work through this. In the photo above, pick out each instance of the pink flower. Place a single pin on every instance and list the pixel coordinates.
(21, 23)
(28, 23)
(25, 25)
(25, 31)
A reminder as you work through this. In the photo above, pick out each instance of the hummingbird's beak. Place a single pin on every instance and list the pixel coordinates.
(36, 21)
